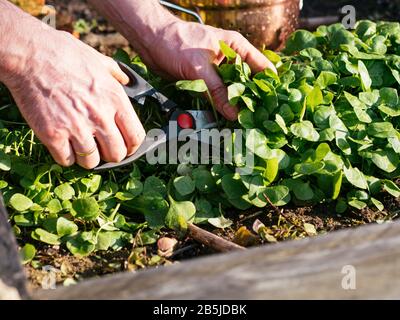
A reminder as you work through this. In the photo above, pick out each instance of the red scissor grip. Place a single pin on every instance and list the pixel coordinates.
(185, 121)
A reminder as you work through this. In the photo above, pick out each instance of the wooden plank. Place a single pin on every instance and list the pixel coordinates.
(305, 269)
(12, 277)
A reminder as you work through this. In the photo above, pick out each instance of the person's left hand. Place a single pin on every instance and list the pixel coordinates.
(186, 50)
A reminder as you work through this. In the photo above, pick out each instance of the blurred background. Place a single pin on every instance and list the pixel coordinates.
(266, 23)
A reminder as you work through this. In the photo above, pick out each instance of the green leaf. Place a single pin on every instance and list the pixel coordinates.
(227, 51)
(184, 185)
(392, 188)
(81, 244)
(246, 119)
(65, 227)
(204, 181)
(365, 77)
(386, 160)
(311, 53)
(355, 177)
(325, 79)
(337, 184)
(380, 129)
(154, 184)
(45, 236)
(204, 211)
(123, 56)
(86, 209)
(369, 98)
(299, 40)
(389, 103)
(64, 191)
(27, 253)
(24, 220)
(278, 195)
(5, 161)
(220, 222)
(250, 103)
(271, 170)
(233, 186)
(149, 237)
(389, 96)
(179, 215)
(358, 107)
(302, 190)
(54, 206)
(379, 205)
(357, 204)
(315, 98)
(309, 168)
(272, 56)
(257, 143)
(305, 130)
(341, 206)
(192, 85)
(124, 196)
(134, 187)
(281, 123)
(235, 91)
(92, 184)
(154, 208)
(20, 203)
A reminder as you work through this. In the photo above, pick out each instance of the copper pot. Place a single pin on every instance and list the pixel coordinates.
(264, 22)
(34, 7)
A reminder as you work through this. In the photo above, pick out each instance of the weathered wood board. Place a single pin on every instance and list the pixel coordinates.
(305, 269)
(12, 277)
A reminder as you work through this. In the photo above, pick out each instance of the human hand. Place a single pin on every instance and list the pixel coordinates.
(185, 50)
(72, 98)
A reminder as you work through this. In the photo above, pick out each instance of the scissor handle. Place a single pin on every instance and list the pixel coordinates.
(138, 89)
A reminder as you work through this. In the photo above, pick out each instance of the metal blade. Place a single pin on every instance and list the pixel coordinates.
(148, 145)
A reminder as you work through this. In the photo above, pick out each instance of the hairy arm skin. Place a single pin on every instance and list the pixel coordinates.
(69, 94)
(14, 43)
(140, 21)
(178, 49)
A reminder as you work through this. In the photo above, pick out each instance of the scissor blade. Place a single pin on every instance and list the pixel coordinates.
(149, 144)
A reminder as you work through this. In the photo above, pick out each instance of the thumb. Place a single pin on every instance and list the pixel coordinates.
(219, 92)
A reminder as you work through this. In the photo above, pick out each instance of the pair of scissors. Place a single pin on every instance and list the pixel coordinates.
(138, 90)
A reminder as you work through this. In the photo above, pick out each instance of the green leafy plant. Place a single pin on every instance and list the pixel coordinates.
(324, 129)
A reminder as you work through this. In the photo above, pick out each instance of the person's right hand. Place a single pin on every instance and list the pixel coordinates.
(72, 98)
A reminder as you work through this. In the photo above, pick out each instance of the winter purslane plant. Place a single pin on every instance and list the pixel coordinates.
(325, 129)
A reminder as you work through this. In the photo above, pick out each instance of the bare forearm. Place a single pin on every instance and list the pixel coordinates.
(17, 29)
(140, 21)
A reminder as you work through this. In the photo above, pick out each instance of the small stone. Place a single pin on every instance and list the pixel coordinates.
(166, 246)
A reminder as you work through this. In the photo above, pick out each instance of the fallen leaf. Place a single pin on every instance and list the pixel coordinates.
(257, 225)
(310, 229)
(244, 237)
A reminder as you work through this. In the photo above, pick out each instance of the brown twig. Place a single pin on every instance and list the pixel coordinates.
(271, 204)
(211, 240)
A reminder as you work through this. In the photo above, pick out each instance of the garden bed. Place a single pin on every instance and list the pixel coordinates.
(287, 223)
